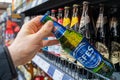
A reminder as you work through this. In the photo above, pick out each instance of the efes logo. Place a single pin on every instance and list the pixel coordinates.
(79, 49)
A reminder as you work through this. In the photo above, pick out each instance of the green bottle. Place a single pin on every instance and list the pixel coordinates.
(78, 46)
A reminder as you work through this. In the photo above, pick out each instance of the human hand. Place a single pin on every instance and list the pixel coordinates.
(30, 40)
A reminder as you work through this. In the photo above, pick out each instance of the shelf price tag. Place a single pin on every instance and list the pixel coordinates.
(41, 63)
(58, 75)
(34, 3)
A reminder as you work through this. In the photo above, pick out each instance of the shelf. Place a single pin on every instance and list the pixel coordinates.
(36, 8)
(50, 69)
(56, 67)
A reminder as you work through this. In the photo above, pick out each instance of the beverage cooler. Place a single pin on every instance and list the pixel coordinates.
(89, 35)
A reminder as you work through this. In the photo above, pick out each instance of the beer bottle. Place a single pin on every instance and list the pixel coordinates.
(114, 38)
(79, 48)
(66, 19)
(60, 16)
(75, 18)
(102, 28)
(54, 13)
(29, 68)
(87, 27)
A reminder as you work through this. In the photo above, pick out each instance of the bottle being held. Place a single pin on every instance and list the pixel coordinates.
(102, 28)
(78, 47)
(114, 38)
(66, 19)
(60, 16)
(75, 18)
(87, 27)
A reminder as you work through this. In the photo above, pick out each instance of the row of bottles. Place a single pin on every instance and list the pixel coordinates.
(33, 72)
(103, 31)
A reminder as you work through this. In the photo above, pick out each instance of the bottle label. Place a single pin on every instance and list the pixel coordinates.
(87, 55)
(102, 49)
(58, 29)
(66, 21)
(115, 48)
(74, 21)
(60, 21)
(84, 21)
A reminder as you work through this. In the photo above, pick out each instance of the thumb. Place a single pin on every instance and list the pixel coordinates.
(45, 30)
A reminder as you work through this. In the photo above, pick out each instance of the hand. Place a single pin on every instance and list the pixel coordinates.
(30, 40)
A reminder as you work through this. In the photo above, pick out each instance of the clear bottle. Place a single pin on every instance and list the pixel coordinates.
(75, 18)
(87, 27)
(102, 29)
(78, 47)
(60, 15)
(66, 19)
(114, 38)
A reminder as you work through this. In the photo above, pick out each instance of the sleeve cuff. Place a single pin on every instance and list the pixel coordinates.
(10, 62)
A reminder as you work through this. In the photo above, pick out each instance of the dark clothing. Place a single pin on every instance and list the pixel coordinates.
(7, 69)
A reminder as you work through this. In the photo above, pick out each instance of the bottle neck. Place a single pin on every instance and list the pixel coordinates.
(53, 14)
(75, 11)
(60, 14)
(66, 14)
(85, 9)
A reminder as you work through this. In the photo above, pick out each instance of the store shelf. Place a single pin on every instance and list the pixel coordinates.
(50, 69)
(36, 8)
(61, 69)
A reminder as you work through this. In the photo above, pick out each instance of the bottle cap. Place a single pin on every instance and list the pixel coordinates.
(85, 2)
(75, 5)
(60, 9)
(66, 7)
(53, 10)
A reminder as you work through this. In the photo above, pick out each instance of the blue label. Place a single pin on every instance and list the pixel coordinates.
(87, 55)
(58, 29)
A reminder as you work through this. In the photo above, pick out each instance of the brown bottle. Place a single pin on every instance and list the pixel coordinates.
(87, 27)
(75, 18)
(66, 19)
(102, 33)
(29, 68)
(114, 38)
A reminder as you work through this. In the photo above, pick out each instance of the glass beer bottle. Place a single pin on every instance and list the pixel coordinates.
(78, 47)
(60, 16)
(87, 27)
(66, 19)
(75, 18)
(101, 33)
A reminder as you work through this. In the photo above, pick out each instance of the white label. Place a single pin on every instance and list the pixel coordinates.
(84, 21)
(58, 75)
(41, 63)
(34, 3)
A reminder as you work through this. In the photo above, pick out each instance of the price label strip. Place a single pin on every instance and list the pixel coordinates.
(50, 69)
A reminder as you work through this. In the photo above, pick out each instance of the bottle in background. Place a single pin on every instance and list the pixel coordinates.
(114, 38)
(75, 18)
(29, 68)
(102, 34)
(78, 46)
(60, 15)
(54, 13)
(66, 19)
(87, 27)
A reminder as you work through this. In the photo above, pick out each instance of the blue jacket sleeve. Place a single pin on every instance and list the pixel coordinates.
(7, 69)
